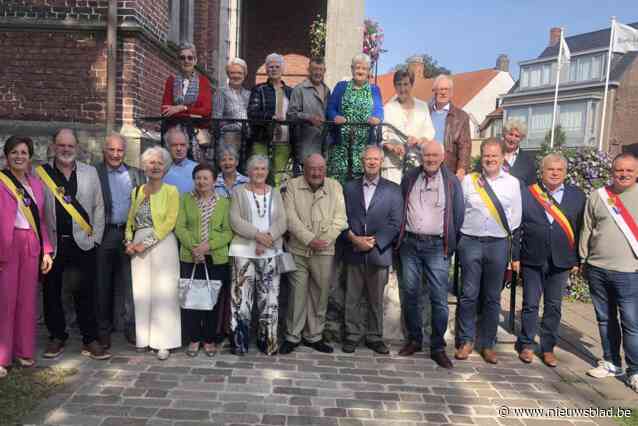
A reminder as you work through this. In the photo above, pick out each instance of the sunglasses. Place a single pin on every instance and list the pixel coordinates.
(186, 58)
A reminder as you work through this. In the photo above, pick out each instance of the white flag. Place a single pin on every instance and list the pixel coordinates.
(565, 54)
(625, 38)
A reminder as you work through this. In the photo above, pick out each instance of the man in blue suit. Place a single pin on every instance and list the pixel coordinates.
(552, 218)
(373, 207)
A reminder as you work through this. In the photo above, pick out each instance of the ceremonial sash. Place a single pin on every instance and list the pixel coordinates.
(67, 204)
(491, 201)
(20, 196)
(552, 208)
(621, 216)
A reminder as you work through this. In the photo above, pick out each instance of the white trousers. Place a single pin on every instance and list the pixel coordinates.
(155, 282)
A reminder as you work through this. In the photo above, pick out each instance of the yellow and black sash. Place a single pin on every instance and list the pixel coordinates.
(551, 206)
(26, 203)
(491, 201)
(70, 204)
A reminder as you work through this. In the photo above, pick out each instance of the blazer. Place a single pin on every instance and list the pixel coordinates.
(524, 168)
(89, 195)
(241, 217)
(457, 140)
(164, 210)
(540, 239)
(382, 220)
(454, 211)
(188, 227)
(8, 218)
(137, 178)
(262, 105)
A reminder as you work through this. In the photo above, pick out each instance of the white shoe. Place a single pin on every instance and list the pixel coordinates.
(163, 354)
(633, 382)
(3, 372)
(605, 369)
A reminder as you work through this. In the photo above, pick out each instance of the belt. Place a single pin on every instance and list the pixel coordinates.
(118, 226)
(423, 237)
(484, 239)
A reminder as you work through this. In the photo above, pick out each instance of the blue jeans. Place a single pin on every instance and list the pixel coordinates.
(483, 263)
(612, 292)
(548, 281)
(424, 258)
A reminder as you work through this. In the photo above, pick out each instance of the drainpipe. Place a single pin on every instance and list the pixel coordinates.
(111, 66)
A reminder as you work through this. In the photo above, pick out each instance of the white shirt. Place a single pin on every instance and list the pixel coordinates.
(557, 194)
(478, 221)
(511, 157)
(369, 188)
(262, 223)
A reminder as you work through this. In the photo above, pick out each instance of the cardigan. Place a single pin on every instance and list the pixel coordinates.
(188, 229)
(203, 104)
(164, 210)
(241, 217)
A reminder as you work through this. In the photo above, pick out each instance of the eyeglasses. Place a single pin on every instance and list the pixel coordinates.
(186, 58)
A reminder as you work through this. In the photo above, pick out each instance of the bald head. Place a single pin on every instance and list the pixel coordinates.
(314, 170)
(432, 155)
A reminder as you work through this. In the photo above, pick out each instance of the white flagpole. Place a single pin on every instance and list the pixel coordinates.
(558, 67)
(609, 54)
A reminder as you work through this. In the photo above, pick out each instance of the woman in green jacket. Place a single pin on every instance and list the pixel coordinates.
(203, 229)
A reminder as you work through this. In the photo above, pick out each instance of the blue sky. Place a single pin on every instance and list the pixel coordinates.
(466, 35)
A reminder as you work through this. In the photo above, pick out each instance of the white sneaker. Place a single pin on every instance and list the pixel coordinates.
(3, 372)
(605, 369)
(633, 382)
(163, 354)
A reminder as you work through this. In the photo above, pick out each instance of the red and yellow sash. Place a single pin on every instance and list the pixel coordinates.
(26, 211)
(625, 221)
(551, 208)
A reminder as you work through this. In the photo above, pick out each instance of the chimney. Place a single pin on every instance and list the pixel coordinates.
(503, 63)
(416, 66)
(554, 36)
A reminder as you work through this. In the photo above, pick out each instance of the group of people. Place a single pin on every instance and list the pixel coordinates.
(144, 229)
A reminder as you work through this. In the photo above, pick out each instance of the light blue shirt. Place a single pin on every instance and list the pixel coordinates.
(558, 196)
(121, 187)
(220, 186)
(181, 175)
(439, 116)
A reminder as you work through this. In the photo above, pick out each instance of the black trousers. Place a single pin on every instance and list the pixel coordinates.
(114, 301)
(75, 269)
(202, 326)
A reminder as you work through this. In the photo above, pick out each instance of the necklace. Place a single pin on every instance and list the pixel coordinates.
(260, 213)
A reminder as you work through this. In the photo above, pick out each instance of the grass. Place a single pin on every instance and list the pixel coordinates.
(23, 389)
(629, 421)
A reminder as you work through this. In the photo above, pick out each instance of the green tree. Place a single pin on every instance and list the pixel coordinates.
(431, 67)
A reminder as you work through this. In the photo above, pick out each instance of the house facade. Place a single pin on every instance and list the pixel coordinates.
(581, 92)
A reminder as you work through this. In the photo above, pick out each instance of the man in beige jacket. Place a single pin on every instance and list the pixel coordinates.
(316, 214)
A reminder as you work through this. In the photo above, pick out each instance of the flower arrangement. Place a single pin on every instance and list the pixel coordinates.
(372, 39)
(317, 34)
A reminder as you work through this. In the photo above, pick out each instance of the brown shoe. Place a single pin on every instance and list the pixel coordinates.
(105, 341)
(409, 349)
(95, 351)
(441, 359)
(464, 351)
(549, 359)
(489, 356)
(54, 349)
(526, 355)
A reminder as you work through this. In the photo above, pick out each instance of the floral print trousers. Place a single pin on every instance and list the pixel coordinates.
(255, 281)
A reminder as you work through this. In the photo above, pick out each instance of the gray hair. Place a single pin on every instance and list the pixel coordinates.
(439, 78)
(158, 152)
(515, 124)
(553, 157)
(372, 148)
(227, 150)
(118, 136)
(275, 57)
(237, 61)
(172, 131)
(187, 46)
(361, 58)
(257, 158)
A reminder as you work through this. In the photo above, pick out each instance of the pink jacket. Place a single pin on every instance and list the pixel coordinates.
(8, 211)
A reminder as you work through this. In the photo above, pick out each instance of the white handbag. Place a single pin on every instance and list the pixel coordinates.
(199, 295)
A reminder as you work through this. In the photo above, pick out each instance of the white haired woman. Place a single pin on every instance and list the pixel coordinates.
(188, 95)
(355, 100)
(412, 117)
(232, 102)
(258, 219)
(155, 260)
(269, 101)
(518, 163)
(229, 178)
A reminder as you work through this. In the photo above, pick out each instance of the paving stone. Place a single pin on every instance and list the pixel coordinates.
(460, 419)
(245, 397)
(358, 403)
(192, 395)
(309, 411)
(96, 399)
(310, 420)
(273, 419)
(142, 412)
(169, 370)
(224, 418)
(178, 414)
(300, 400)
(350, 422)
(341, 378)
(357, 412)
(335, 412)
(107, 410)
(212, 371)
(295, 391)
(397, 415)
(147, 402)
(119, 421)
(199, 405)
(435, 418)
(382, 396)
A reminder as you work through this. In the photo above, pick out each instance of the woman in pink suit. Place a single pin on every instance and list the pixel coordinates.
(24, 252)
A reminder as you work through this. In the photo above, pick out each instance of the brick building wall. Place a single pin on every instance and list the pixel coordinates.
(625, 117)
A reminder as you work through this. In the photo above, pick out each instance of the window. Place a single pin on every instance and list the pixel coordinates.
(497, 128)
(538, 75)
(586, 68)
(572, 119)
(181, 21)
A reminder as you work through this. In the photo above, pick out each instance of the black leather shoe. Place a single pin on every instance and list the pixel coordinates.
(441, 359)
(379, 347)
(287, 347)
(319, 346)
(349, 346)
